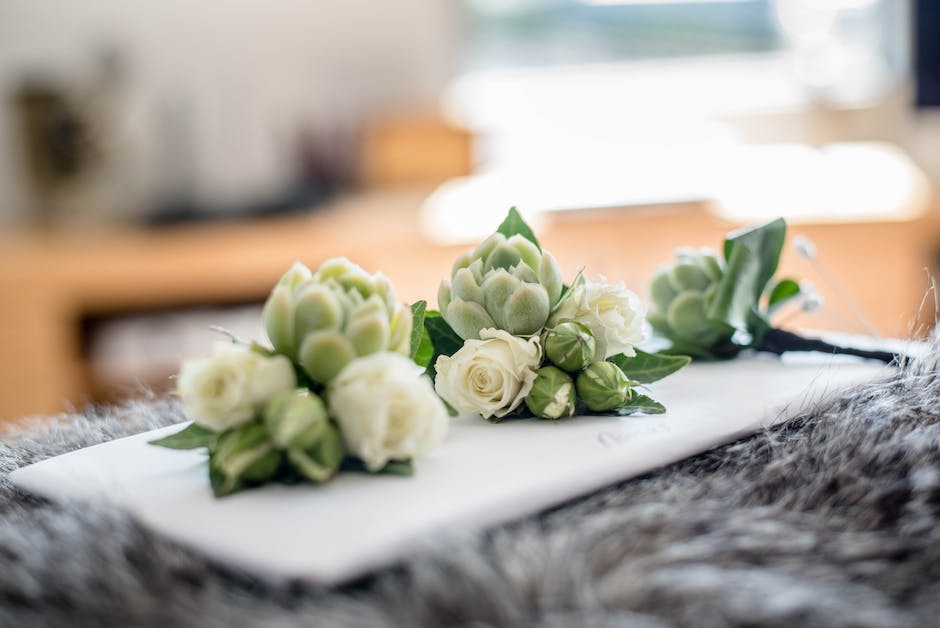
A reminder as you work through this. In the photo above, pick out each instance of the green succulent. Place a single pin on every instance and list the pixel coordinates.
(682, 293)
(506, 283)
(323, 320)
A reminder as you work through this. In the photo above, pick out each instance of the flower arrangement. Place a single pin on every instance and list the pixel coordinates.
(511, 340)
(355, 381)
(337, 391)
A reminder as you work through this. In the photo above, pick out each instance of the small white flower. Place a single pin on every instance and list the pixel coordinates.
(614, 314)
(232, 385)
(386, 410)
(490, 376)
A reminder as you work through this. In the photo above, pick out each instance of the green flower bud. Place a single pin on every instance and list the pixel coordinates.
(504, 283)
(602, 386)
(552, 395)
(297, 423)
(319, 462)
(569, 345)
(681, 293)
(245, 454)
(295, 419)
(326, 319)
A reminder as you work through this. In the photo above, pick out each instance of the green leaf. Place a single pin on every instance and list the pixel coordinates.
(222, 485)
(764, 242)
(393, 467)
(783, 291)
(444, 340)
(308, 467)
(566, 290)
(641, 404)
(646, 368)
(425, 350)
(751, 257)
(191, 437)
(417, 326)
(758, 325)
(398, 467)
(515, 225)
(734, 297)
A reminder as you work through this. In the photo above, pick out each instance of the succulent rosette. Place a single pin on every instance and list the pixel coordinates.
(504, 283)
(511, 340)
(338, 390)
(326, 319)
(682, 293)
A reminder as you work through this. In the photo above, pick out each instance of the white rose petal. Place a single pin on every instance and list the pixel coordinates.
(229, 387)
(490, 376)
(614, 314)
(386, 410)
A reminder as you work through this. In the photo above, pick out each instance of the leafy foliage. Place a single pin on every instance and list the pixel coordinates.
(417, 329)
(443, 339)
(645, 368)
(641, 404)
(192, 436)
(514, 224)
(751, 257)
(393, 467)
(783, 291)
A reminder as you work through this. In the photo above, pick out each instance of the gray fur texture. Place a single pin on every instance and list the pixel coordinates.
(830, 520)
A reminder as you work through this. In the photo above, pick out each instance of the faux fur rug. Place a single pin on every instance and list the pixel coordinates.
(831, 520)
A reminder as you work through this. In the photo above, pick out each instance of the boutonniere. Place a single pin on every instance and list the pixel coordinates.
(511, 339)
(337, 390)
(712, 308)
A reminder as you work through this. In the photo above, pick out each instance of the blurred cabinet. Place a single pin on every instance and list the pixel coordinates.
(410, 150)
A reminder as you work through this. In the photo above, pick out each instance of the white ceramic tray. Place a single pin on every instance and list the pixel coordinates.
(482, 475)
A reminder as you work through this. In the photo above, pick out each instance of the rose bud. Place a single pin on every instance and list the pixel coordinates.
(603, 387)
(552, 395)
(570, 345)
(295, 419)
(319, 462)
(245, 453)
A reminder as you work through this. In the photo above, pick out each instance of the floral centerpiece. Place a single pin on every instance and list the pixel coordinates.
(511, 340)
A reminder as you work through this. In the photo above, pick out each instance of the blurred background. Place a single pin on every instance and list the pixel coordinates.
(162, 163)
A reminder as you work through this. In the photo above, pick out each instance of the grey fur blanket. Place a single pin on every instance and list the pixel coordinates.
(830, 520)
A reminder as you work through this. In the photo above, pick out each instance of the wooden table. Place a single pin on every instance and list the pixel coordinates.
(50, 282)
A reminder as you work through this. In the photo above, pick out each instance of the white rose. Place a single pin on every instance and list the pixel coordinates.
(615, 316)
(386, 410)
(232, 385)
(490, 376)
